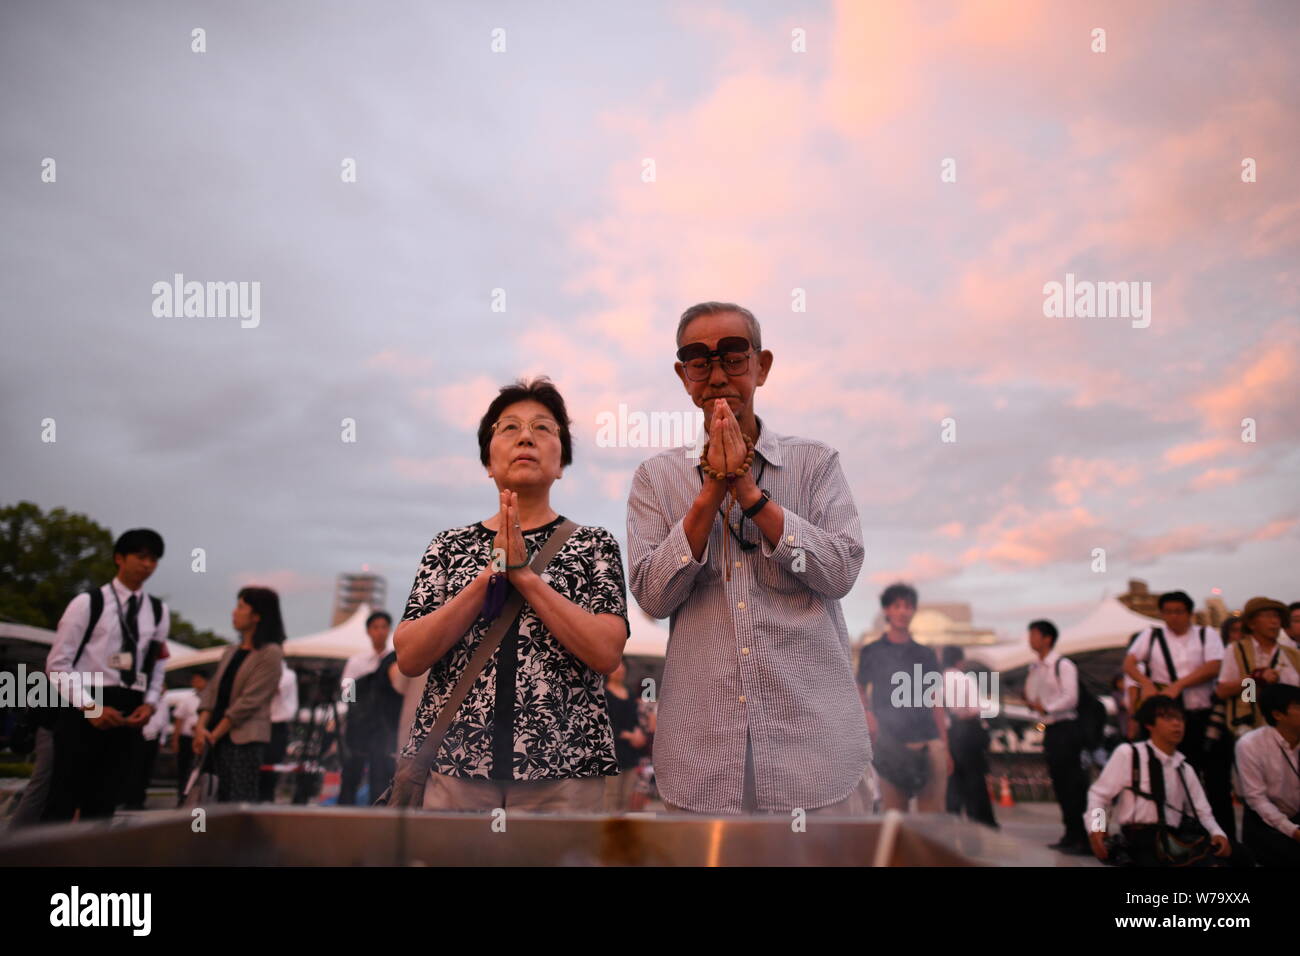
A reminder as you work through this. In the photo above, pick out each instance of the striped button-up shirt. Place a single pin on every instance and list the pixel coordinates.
(764, 654)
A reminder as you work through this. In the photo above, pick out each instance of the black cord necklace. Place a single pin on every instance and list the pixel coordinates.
(739, 536)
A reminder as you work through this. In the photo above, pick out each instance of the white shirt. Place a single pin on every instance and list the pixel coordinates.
(1185, 649)
(1058, 694)
(1230, 669)
(106, 640)
(1116, 780)
(156, 727)
(284, 705)
(186, 710)
(359, 665)
(1266, 777)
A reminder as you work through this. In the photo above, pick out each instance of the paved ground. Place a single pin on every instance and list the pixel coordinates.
(1039, 824)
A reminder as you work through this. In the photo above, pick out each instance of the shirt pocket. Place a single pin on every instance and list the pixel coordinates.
(773, 576)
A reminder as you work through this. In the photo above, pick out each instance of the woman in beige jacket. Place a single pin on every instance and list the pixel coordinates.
(235, 709)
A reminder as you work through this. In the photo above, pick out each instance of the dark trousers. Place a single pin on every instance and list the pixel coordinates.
(275, 752)
(376, 754)
(1214, 767)
(135, 784)
(238, 766)
(89, 763)
(968, 790)
(1270, 846)
(1063, 746)
(184, 763)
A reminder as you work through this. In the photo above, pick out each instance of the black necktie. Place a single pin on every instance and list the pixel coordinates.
(132, 639)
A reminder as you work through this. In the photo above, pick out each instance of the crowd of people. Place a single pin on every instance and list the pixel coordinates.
(1217, 710)
(514, 633)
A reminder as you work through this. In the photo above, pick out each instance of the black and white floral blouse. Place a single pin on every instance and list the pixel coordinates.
(560, 723)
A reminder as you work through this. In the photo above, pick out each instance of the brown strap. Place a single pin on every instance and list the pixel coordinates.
(423, 761)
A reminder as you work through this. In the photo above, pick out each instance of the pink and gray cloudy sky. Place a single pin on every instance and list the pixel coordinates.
(775, 170)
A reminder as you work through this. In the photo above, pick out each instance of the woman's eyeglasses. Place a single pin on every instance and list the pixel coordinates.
(514, 427)
(732, 352)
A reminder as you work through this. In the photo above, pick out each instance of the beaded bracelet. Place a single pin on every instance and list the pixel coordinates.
(742, 470)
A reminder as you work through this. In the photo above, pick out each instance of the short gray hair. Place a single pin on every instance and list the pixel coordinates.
(717, 308)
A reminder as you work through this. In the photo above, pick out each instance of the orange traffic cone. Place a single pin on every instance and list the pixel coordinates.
(1004, 798)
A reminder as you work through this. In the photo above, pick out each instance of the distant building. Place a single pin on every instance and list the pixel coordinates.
(353, 590)
(939, 625)
(1141, 600)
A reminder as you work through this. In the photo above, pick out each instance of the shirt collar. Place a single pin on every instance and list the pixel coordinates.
(1048, 661)
(768, 444)
(1173, 760)
(122, 591)
(1281, 741)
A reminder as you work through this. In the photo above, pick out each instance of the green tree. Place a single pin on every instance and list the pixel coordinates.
(46, 559)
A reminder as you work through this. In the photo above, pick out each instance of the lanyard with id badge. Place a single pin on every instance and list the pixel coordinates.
(124, 660)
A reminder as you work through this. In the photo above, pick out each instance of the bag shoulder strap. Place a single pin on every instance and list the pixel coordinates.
(1156, 781)
(1158, 634)
(423, 761)
(96, 611)
(156, 603)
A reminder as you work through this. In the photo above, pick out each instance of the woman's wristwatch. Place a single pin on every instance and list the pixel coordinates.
(758, 505)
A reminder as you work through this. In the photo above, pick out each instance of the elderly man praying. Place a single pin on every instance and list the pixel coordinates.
(749, 550)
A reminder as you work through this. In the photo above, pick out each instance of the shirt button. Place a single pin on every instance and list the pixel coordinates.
(741, 605)
(744, 650)
(737, 564)
(742, 698)
(790, 538)
(685, 558)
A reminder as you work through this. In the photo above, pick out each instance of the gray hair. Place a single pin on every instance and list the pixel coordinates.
(717, 308)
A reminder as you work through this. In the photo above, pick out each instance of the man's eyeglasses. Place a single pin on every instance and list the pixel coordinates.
(512, 428)
(732, 352)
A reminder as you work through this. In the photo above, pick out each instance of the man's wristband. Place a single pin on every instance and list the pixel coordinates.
(516, 567)
(758, 505)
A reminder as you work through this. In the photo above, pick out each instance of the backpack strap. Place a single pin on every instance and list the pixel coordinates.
(96, 611)
(1291, 654)
(1158, 634)
(1156, 781)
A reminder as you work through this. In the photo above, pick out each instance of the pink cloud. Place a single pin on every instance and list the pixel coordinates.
(1216, 478)
(1015, 538)
(919, 567)
(1074, 476)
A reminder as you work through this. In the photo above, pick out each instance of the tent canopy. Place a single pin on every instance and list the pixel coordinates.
(1107, 626)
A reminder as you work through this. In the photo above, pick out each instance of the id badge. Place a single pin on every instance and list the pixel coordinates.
(122, 661)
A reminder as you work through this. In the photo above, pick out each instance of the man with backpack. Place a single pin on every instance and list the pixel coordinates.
(370, 726)
(1148, 790)
(118, 634)
(1052, 689)
(1182, 662)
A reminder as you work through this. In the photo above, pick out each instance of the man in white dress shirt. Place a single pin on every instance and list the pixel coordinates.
(120, 648)
(1268, 779)
(1260, 658)
(1158, 793)
(185, 714)
(284, 711)
(1052, 689)
(1182, 661)
(368, 731)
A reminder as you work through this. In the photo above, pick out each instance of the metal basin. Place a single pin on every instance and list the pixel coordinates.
(258, 835)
